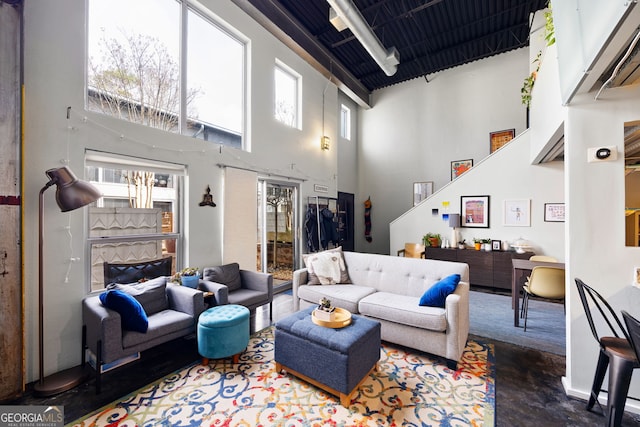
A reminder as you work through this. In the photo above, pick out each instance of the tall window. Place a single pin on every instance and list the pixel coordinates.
(287, 95)
(138, 72)
(345, 122)
(138, 217)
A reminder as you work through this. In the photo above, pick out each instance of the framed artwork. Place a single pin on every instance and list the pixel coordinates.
(499, 138)
(496, 245)
(421, 190)
(517, 213)
(474, 211)
(554, 212)
(458, 167)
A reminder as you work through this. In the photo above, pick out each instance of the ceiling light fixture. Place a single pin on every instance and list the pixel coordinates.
(344, 14)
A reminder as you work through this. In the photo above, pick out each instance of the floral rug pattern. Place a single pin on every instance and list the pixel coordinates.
(407, 389)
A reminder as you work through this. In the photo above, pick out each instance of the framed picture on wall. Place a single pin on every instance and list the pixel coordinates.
(458, 167)
(474, 211)
(421, 190)
(499, 138)
(517, 213)
(554, 212)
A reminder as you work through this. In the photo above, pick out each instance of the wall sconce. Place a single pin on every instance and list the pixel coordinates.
(325, 143)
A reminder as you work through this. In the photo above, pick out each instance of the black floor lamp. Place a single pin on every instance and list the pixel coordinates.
(71, 194)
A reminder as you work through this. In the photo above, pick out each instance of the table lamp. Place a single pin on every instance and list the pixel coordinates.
(71, 194)
(454, 223)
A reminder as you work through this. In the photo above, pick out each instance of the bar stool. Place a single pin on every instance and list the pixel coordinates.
(616, 354)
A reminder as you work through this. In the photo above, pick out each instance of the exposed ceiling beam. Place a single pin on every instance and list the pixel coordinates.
(288, 30)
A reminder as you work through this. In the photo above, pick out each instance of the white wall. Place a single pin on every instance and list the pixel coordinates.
(505, 175)
(595, 236)
(415, 129)
(54, 80)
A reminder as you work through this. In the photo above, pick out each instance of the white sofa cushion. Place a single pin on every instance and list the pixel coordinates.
(343, 296)
(403, 309)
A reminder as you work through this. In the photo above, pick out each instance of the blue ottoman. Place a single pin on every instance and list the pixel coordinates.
(223, 331)
(335, 360)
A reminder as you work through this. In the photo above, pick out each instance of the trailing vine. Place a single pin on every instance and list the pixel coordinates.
(550, 38)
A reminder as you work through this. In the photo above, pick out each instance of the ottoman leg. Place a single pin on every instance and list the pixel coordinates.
(345, 400)
(235, 358)
(205, 361)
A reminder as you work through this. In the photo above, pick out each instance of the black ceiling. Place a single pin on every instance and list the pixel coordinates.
(430, 35)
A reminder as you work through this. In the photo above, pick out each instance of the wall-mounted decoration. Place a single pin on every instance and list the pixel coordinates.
(517, 213)
(554, 212)
(458, 167)
(498, 139)
(320, 188)
(434, 211)
(421, 190)
(207, 199)
(474, 211)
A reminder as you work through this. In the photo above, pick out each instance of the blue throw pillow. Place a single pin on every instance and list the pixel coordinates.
(133, 316)
(436, 295)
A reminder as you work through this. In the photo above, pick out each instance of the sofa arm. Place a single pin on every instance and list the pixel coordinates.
(257, 281)
(300, 277)
(457, 312)
(102, 324)
(186, 300)
(220, 291)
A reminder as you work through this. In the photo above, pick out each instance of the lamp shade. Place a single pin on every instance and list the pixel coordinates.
(454, 220)
(71, 193)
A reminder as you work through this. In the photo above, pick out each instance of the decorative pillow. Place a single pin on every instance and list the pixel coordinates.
(133, 316)
(152, 294)
(228, 275)
(436, 295)
(326, 268)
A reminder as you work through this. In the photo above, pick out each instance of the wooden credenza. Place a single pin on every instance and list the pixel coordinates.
(491, 269)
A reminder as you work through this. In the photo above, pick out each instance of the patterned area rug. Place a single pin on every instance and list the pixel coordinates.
(406, 390)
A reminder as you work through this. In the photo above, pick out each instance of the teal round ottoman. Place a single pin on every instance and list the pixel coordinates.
(223, 331)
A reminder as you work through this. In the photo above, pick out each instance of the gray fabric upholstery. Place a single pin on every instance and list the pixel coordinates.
(346, 297)
(104, 325)
(151, 294)
(228, 275)
(256, 288)
(388, 289)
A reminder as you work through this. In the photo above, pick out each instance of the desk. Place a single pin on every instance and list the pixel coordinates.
(522, 268)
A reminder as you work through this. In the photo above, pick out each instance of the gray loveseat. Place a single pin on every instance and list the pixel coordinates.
(388, 289)
(172, 311)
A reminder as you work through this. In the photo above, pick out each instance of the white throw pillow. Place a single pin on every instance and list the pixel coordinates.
(326, 268)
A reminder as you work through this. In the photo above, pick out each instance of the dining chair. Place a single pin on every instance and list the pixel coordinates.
(412, 250)
(542, 258)
(616, 353)
(544, 282)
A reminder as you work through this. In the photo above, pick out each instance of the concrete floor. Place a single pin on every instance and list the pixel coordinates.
(528, 382)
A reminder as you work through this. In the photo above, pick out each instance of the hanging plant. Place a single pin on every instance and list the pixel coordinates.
(550, 38)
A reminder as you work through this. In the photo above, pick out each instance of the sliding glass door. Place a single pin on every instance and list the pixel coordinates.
(277, 230)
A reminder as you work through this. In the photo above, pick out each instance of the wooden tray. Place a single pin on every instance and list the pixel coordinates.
(342, 318)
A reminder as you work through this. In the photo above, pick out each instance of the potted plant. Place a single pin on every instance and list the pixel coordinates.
(486, 245)
(477, 243)
(431, 240)
(188, 276)
(325, 310)
(461, 244)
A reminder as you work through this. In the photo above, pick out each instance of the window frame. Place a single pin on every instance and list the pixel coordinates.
(185, 125)
(297, 78)
(345, 123)
(114, 161)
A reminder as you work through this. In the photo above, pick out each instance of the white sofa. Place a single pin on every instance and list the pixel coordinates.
(388, 289)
